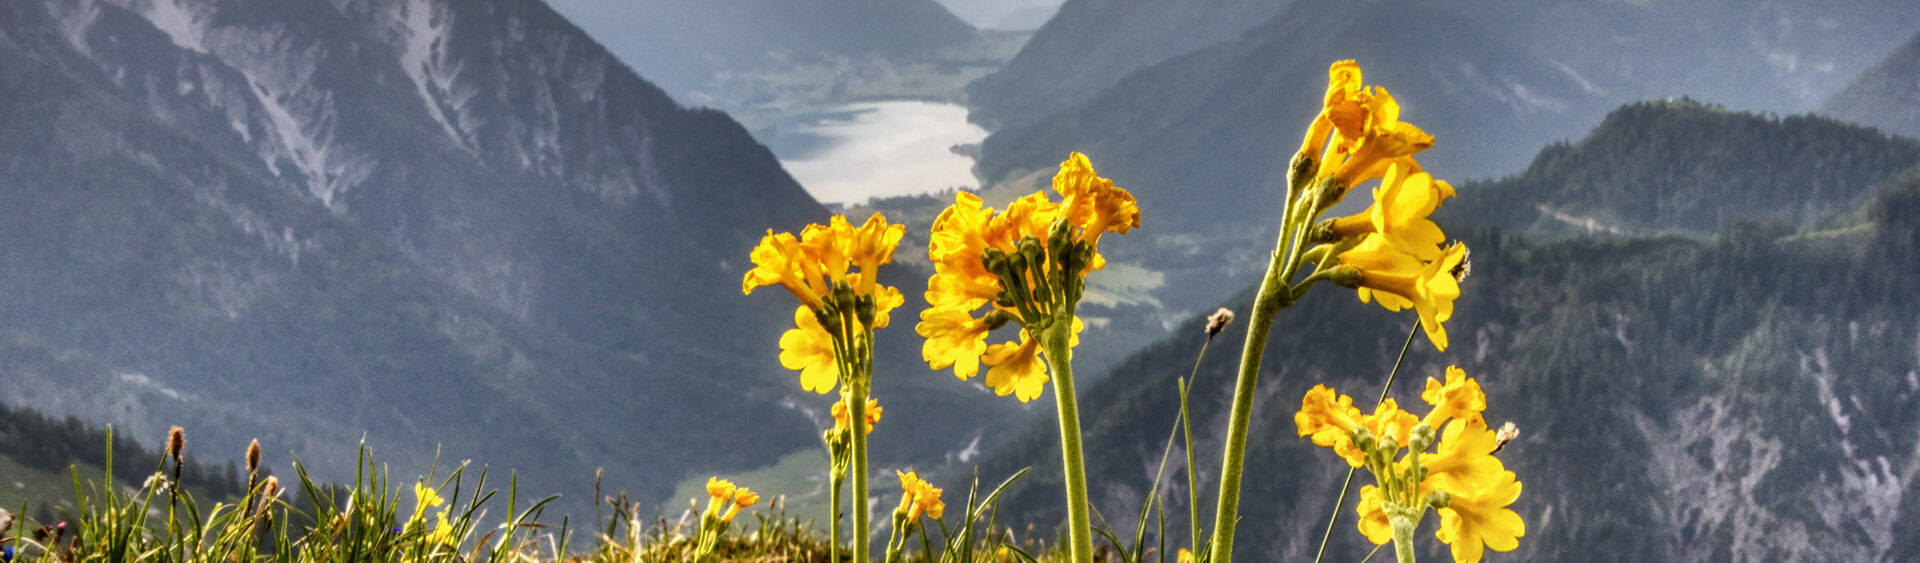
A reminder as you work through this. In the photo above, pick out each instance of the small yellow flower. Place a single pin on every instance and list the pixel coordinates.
(1366, 129)
(424, 497)
(742, 498)
(719, 489)
(780, 259)
(919, 497)
(1093, 204)
(1184, 556)
(1018, 370)
(841, 414)
(1329, 418)
(1459, 397)
(809, 348)
(1402, 204)
(872, 245)
(442, 531)
(1373, 516)
(1388, 421)
(1479, 519)
(1464, 461)
(954, 339)
(1400, 280)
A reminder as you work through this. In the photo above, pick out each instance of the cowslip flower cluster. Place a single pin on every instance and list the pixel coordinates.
(1395, 255)
(1461, 480)
(726, 501)
(918, 497)
(1025, 266)
(839, 309)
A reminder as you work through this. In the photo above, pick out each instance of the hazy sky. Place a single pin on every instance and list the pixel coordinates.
(997, 14)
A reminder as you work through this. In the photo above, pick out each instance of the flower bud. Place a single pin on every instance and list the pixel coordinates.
(863, 308)
(1421, 437)
(1439, 499)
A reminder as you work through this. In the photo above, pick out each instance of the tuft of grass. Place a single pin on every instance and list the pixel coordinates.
(380, 517)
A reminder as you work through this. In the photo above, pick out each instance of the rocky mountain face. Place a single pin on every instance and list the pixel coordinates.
(1747, 395)
(417, 222)
(1886, 95)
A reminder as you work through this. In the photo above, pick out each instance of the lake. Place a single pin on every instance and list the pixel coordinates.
(878, 149)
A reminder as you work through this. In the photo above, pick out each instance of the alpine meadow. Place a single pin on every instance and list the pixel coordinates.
(711, 280)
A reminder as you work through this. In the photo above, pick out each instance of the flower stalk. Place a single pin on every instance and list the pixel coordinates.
(1079, 522)
(1389, 253)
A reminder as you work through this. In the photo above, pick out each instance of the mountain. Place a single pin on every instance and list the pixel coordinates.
(1766, 55)
(1886, 95)
(685, 45)
(417, 223)
(1750, 395)
(1089, 45)
(1668, 167)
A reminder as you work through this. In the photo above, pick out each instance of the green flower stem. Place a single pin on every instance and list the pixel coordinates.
(1403, 537)
(833, 531)
(1055, 342)
(857, 414)
(1274, 295)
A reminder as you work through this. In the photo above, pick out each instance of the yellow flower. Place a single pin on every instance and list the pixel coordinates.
(966, 234)
(809, 348)
(1400, 280)
(780, 259)
(719, 489)
(1479, 519)
(742, 498)
(424, 497)
(954, 339)
(1373, 516)
(1344, 109)
(1402, 204)
(919, 497)
(1388, 421)
(841, 414)
(1464, 460)
(1329, 418)
(1018, 369)
(1092, 203)
(442, 531)
(1366, 129)
(1459, 397)
(872, 245)
(1383, 141)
